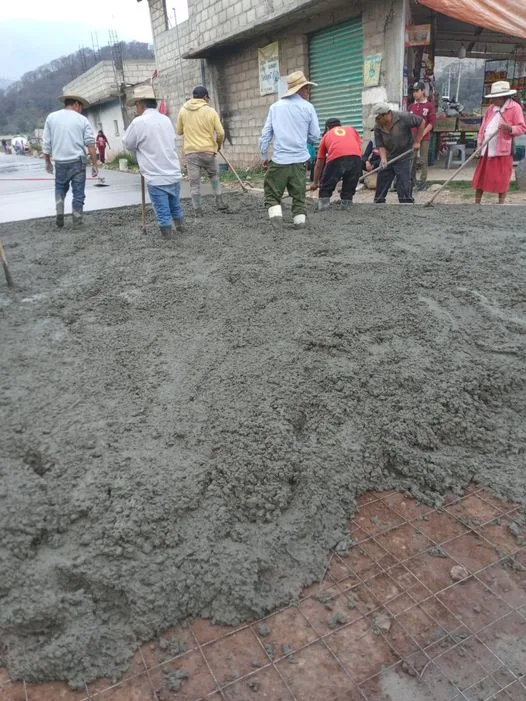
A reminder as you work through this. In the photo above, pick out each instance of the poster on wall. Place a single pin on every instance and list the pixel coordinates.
(371, 70)
(268, 59)
(417, 35)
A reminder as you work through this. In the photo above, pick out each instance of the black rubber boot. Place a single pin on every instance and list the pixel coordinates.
(77, 217)
(179, 225)
(323, 203)
(165, 231)
(221, 204)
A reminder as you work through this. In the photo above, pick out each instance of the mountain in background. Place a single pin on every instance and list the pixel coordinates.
(27, 44)
(25, 103)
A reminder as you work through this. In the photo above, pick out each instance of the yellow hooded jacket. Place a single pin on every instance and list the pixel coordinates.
(200, 126)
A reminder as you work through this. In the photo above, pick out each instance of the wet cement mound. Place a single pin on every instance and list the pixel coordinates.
(186, 424)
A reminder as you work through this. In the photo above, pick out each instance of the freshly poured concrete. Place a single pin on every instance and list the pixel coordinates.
(186, 423)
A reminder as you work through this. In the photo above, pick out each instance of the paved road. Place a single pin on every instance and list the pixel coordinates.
(26, 190)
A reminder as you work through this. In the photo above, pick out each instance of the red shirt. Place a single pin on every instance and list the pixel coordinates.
(426, 110)
(338, 142)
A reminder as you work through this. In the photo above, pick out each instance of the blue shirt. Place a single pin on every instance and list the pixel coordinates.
(291, 122)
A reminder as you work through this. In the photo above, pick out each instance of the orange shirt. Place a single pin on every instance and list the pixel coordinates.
(338, 142)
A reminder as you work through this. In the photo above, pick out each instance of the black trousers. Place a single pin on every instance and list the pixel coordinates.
(347, 169)
(402, 170)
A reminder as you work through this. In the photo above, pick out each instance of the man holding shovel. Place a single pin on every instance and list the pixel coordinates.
(152, 137)
(67, 135)
(393, 137)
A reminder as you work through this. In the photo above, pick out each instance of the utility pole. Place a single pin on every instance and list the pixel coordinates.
(458, 80)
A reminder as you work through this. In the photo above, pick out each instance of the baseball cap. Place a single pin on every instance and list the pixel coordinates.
(381, 108)
(200, 92)
(419, 85)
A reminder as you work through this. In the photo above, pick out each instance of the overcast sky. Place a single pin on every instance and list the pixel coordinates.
(37, 31)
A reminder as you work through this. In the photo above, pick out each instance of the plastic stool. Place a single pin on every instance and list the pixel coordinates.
(452, 150)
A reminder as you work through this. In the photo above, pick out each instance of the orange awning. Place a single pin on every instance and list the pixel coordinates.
(505, 16)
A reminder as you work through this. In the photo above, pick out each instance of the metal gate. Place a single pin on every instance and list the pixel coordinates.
(336, 64)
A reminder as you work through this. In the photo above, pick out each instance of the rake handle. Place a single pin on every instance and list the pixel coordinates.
(393, 160)
(243, 186)
(7, 273)
(460, 168)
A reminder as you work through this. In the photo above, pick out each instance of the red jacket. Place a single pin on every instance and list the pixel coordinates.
(511, 114)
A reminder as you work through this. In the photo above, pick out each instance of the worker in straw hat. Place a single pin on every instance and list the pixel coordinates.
(502, 121)
(151, 137)
(67, 135)
(291, 123)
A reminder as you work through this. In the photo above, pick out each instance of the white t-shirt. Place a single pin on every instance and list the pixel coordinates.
(152, 137)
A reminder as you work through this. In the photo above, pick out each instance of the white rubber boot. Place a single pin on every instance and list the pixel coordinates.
(300, 221)
(275, 215)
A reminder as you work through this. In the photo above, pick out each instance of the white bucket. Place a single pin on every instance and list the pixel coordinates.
(123, 164)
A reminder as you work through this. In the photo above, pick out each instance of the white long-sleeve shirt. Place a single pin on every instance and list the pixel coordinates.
(152, 137)
(66, 135)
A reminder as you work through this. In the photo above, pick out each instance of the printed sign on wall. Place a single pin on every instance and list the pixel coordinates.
(268, 58)
(371, 70)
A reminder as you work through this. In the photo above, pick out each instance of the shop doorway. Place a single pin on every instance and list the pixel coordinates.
(336, 64)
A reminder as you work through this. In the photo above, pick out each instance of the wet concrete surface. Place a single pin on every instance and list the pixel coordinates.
(187, 423)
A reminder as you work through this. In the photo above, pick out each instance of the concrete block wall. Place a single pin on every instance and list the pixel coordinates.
(138, 71)
(95, 84)
(232, 72)
(158, 16)
(218, 20)
(99, 83)
(177, 76)
(243, 110)
(236, 76)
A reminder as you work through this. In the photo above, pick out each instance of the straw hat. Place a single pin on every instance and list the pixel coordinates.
(295, 82)
(82, 101)
(141, 92)
(500, 89)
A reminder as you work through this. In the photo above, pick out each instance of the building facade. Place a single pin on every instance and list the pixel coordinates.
(243, 49)
(101, 87)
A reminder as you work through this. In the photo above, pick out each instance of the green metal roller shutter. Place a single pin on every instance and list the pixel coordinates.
(336, 64)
